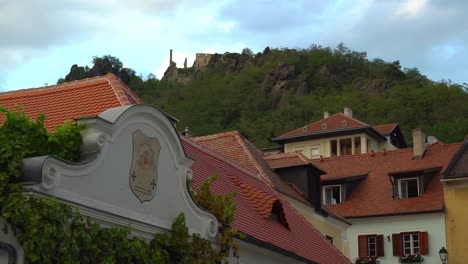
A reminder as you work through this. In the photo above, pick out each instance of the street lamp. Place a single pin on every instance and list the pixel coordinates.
(443, 255)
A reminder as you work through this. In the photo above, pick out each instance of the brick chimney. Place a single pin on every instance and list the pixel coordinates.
(419, 143)
(347, 111)
(326, 114)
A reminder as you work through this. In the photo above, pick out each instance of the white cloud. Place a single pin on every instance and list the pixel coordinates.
(411, 8)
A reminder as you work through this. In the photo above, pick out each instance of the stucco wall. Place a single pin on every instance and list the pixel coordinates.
(324, 144)
(10, 239)
(456, 196)
(434, 224)
(325, 225)
(252, 254)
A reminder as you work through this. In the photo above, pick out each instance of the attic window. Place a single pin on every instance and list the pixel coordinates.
(277, 214)
(344, 123)
(331, 194)
(324, 126)
(408, 187)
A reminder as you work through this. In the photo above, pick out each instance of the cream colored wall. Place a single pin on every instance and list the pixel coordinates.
(456, 216)
(324, 144)
(325, 225)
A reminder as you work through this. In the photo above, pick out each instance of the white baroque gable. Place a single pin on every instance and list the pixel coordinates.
(101, 186)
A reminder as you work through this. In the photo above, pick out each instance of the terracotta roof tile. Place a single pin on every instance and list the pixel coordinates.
(254, 199)
(373, 195)
(334, 122)
(83, 98)
(385, 129)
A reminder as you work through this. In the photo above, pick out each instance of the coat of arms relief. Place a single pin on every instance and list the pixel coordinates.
(143, 176)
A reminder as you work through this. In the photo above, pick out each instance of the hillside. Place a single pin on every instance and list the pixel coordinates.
(265, 94)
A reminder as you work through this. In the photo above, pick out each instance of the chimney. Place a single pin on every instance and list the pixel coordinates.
(347, 111)
(187, 133)
(326, 114)
(170, 57)
(419, 143)
(185, 63)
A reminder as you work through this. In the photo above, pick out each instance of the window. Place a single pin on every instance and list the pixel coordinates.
(410, 243)
(329, 238)
(371, 241)
(333, 148)
(315, 152)
(357, 145)
(408, 187)
(332, 194)
(345, 146)
(370, 246)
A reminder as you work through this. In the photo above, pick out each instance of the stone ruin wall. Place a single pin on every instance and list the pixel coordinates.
(201, 60)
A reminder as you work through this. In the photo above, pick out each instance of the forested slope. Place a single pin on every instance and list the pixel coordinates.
(265, 94)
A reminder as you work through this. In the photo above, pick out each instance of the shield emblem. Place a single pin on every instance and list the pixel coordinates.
(143, 176)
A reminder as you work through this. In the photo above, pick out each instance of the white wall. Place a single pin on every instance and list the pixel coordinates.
(250, 253)
(434, 224)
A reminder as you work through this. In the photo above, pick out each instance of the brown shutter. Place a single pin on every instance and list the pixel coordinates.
(397, 245)
(380, 245)
(362, 246)
(423, 243)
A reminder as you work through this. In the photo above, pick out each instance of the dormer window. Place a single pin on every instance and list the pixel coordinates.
(331, 194)
(344, 123)
(277, 214)
(408, 187)
(324, 126)
(304, 129)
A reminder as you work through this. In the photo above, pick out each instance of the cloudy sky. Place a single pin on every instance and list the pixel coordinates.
(40, 40)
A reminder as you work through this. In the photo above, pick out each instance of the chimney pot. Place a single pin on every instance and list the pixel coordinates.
(326, 114)
(347, 111)
(419, 143)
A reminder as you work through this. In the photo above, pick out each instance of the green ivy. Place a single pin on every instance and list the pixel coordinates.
(53, 232)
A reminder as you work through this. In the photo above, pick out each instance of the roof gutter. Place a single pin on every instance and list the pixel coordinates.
(367, 129)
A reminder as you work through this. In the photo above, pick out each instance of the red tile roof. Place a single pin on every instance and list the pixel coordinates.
(83, 98)
(373, 194)
(253, 200)
(286, 160)
(334, 122)
(385, 129)
(234, 147)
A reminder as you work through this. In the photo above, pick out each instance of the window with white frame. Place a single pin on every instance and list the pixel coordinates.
(331, 194)
(411, 244)
(372, 246)
(315, 152)
(408, 187)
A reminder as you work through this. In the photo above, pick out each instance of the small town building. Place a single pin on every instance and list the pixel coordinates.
(455, 181)
(340, 135)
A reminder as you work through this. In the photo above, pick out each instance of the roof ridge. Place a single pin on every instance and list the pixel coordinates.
(121, 90)
(54, 86)
(215, 136)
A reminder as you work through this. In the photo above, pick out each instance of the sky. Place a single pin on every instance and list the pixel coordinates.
(41, 40)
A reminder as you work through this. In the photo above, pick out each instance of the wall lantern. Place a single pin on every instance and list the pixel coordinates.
(443, 255)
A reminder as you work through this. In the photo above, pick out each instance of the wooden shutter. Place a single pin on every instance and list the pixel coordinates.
(423, 243)
(397, 245)
(380, 245)
(362, 246)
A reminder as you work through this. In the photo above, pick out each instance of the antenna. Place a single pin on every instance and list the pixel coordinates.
(431, 139)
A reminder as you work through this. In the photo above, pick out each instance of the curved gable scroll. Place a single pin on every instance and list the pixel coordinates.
(133, 173)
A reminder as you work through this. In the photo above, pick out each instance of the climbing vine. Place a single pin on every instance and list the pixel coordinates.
(53, 232)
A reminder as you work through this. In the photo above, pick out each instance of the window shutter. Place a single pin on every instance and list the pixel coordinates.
(424, 243)
(380, 245)
(362, 247)
(397, 246)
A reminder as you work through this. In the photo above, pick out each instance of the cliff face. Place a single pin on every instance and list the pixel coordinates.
(282, 80)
